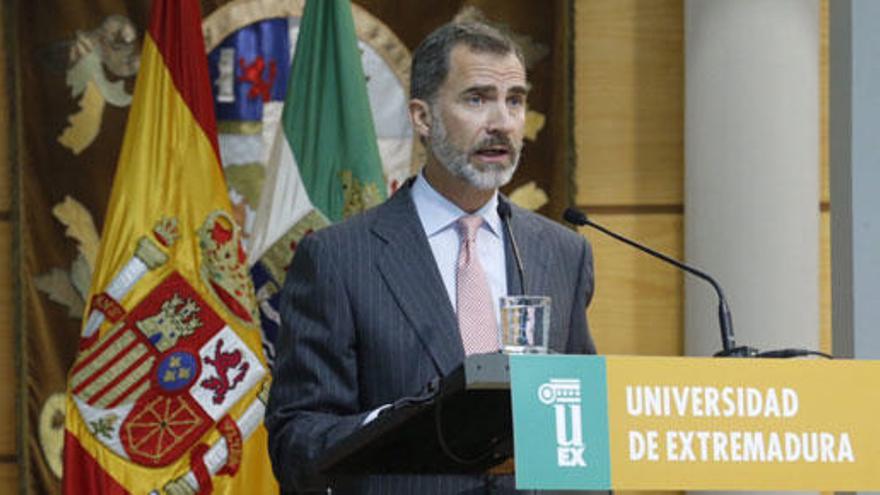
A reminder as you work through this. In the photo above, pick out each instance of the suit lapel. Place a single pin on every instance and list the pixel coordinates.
(410, 272)
(528, 238)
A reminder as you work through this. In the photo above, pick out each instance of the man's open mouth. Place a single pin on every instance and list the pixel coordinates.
(493, 151)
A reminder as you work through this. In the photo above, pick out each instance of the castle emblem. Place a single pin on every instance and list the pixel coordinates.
(176, 319)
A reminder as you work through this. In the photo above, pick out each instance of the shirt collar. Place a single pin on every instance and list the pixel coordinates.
(438, 213)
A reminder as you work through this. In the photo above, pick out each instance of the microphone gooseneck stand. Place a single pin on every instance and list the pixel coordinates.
(725, 320)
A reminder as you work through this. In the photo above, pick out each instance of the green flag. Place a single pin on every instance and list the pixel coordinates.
(327, 117)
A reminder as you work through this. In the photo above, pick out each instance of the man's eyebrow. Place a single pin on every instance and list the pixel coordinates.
(491, 88)
(485, 88)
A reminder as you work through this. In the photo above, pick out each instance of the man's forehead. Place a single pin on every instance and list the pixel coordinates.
(470, 67)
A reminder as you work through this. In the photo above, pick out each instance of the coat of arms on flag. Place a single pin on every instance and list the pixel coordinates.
(167, 392)
(160, 378)
(287, 179)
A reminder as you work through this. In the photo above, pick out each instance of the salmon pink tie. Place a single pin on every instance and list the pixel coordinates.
(476, 314)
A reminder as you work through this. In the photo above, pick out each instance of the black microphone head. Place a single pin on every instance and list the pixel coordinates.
(503, 209)
(574, 216)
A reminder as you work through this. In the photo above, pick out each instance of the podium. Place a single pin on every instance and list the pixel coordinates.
(633, 423)
(459, 424)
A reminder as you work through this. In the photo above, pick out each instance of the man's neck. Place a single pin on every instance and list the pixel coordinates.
(459, 192)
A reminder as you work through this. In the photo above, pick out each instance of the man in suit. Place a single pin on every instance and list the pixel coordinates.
(378, 306)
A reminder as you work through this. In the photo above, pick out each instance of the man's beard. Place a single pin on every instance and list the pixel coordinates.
(456, 161)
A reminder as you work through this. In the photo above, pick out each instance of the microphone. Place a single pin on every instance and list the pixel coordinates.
(505, 212)
(725, 321)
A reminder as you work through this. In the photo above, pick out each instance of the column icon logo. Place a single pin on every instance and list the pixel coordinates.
(564, 395)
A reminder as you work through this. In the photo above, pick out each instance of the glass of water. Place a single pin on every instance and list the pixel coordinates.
(525, 323)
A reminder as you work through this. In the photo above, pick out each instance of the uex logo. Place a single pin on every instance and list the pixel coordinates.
(564, 395)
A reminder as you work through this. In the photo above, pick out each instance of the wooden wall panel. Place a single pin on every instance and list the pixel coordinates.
(8, 381)
(629, 93)
(825, 282)
(5, 113)
(629, 86)
(637, 308)
(7, 355)
(8, 478)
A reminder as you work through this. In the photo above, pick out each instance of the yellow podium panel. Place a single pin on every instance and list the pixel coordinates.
(728, 424)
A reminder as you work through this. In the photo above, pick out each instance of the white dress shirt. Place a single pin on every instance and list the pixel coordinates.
(438, 216)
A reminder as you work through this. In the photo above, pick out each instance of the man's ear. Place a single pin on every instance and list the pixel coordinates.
(420, 115)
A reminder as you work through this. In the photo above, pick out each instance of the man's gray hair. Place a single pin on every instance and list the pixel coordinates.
(430, 62)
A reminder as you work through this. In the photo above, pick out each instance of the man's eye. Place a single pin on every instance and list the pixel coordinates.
(516, 101)
(474, 99)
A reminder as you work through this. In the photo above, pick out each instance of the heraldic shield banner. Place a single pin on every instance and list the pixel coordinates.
(167, 391)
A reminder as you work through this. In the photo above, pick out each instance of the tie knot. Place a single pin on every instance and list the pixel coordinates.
(468, 226)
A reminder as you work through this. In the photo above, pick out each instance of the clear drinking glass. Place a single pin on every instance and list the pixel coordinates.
(525, 323)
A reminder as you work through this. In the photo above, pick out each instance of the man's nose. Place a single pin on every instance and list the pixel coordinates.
(501, 119)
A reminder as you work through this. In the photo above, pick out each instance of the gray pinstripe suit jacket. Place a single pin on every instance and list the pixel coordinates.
(367, 320)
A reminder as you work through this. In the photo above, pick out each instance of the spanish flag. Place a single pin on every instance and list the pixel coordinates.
(167, 392)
